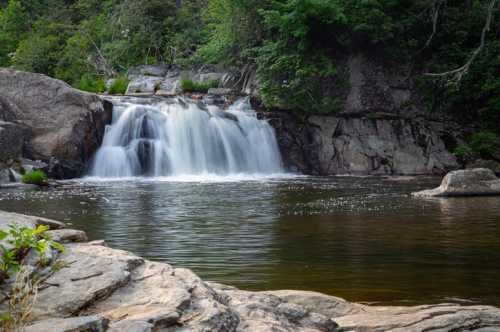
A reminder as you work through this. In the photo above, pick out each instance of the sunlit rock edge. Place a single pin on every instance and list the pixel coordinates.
(104, 289)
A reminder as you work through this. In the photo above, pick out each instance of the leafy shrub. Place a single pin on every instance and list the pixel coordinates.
(35, 177)
(23, 238)
(91, 83)
(188, 85)
(484, 143)
(463, 153)
(119, 86)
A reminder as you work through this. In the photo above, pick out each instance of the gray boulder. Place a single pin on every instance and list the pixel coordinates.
(469, 182)
(12, 137)
(143, 84)
(65, 126)
(149, 70)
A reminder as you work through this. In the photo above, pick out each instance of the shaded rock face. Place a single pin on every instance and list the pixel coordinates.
(96, 288)
(329, 145)
(62, 126)
(381, 128)
(468, 182)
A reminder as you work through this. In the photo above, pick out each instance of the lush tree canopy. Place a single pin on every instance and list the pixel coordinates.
(294, 45)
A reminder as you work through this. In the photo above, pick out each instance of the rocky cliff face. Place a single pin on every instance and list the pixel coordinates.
(43, 118)
(382, 128)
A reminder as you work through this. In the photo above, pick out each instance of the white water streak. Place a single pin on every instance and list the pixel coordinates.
(184, 138)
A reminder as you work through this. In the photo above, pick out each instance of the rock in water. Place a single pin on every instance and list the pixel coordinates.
(468, 182)
(59, 122)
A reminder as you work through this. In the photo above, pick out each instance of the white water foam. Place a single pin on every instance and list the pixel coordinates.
(185, 141)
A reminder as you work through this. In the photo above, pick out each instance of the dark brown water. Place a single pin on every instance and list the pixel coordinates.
(363, 239)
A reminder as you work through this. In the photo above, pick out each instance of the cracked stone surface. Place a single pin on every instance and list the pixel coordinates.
(97, 288)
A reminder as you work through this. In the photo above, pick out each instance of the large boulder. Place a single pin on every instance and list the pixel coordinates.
(468, 182)
(54, 122)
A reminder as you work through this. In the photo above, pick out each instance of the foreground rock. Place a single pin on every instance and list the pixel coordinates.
(468, 182)
(44, 118)
(96, 288)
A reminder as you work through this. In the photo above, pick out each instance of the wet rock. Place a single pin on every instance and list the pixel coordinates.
(67, 235)
(220, 91)
(60, 122)
(490, 164)
(144, 84)
(75, 324)
(27, 165)
(8, 175)
(469, 182)
(12, 137)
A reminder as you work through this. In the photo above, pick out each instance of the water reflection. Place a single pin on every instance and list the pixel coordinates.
(364, 239)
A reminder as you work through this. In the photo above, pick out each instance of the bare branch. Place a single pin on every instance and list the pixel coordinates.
(458, 74)
(436, 6)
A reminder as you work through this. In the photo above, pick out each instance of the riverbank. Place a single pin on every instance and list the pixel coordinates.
(97, 288)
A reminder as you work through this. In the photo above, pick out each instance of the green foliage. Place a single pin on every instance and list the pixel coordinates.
(14, 25)
(188, 85)
(484, 143)
(21, 239)
(37, 177)
(464, 154)
(299, 48)
(91, 83)
(119, 86)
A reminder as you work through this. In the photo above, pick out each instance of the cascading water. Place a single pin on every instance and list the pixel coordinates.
(181, 137)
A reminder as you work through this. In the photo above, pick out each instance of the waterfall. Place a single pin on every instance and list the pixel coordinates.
(179, 136)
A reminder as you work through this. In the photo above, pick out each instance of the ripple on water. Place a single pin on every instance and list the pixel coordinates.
(362, 238)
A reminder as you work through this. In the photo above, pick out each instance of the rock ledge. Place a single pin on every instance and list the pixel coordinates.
(468, 182)
(103, 289)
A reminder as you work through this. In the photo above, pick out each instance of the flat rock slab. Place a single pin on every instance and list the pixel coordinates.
(67, 235)
(442, 317)
(7, 218)
(75, 324)
(86, 274)
(468, 182)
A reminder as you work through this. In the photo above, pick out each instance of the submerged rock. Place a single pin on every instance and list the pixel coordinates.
(96, 288)
(468, 182)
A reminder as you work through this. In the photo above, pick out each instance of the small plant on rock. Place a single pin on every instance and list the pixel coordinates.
(20, 240)
(37, 177)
